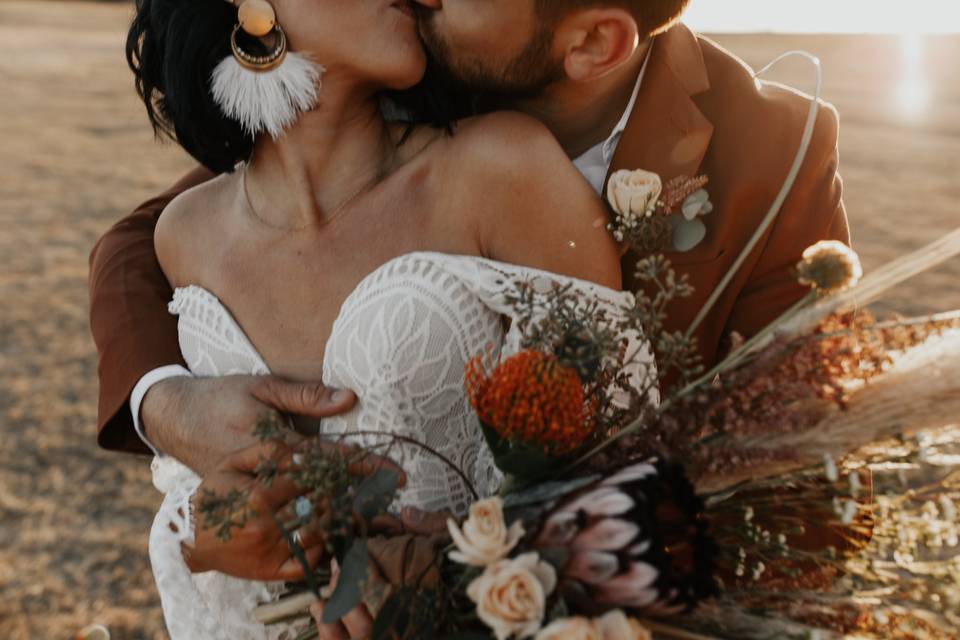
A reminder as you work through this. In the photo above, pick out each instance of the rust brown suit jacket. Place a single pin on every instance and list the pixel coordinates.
(699, 111)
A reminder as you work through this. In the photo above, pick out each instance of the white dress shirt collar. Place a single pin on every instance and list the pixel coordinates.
(595, 163)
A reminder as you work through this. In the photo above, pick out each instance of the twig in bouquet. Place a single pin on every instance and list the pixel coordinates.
(944, 320)
(393, 437)
(739, 355)
(784, 191)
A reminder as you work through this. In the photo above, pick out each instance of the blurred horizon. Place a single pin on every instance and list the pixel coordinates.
(824, 16)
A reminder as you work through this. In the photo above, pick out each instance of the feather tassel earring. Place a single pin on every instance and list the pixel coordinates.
(265, 94)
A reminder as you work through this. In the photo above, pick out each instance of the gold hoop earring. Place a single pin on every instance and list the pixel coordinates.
(258, 18)
(260, 63)
(264, 93)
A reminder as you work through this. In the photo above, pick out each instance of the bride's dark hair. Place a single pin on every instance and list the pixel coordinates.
(173, 46)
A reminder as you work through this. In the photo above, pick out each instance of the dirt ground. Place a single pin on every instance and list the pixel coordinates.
(77, 154)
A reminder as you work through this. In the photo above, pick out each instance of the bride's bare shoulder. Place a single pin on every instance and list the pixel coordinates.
(190, 221)
(503, 151)
(516, 187)
(506, 136)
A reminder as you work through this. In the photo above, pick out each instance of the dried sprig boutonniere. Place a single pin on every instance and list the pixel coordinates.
(652, 217)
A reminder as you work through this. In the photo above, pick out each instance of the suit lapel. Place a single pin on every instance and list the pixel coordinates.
(667, 133)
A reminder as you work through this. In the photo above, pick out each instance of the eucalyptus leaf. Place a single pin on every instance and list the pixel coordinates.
(688, 234)
(556, 556)
(558, 611)
(530, 516)
(353, 578)
(376, 493)
(546, 491)
(497, 444)
(527, 464)
(394, 616)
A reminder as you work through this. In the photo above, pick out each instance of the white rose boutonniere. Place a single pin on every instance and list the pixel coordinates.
(484, 538)
(652, 217)
(634, 193)
(511, 595)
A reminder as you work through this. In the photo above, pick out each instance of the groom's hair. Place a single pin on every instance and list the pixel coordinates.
(653, 16)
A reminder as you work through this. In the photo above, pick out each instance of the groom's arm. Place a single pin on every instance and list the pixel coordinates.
(195, 420)
(132, 329)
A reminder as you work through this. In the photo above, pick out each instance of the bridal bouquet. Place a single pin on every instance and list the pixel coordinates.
(805, 486)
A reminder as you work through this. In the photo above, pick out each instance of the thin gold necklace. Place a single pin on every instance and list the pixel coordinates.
(333, 215)
(256, 216)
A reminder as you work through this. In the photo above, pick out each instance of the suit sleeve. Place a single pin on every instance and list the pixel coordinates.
(131, 327)
(813, 212)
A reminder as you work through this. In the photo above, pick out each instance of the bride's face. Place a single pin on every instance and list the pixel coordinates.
(372, 42)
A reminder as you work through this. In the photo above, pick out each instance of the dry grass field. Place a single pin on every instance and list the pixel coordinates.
(77, 154)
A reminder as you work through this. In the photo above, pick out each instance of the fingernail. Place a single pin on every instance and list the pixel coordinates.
(412, 514)
(340, 395)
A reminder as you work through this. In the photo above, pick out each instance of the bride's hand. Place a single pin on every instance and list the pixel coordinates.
(258, 550)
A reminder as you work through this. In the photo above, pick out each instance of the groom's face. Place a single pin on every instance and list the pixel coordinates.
(496, 46)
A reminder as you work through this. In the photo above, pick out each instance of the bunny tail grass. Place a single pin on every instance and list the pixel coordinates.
(877, 283)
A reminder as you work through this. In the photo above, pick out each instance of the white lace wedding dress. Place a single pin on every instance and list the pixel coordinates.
(401, 341)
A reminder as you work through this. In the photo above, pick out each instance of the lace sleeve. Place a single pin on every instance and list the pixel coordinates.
(493, 281)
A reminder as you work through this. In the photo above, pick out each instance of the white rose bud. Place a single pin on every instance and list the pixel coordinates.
(570, 629)
(634, 193)
(511, 595)
(484, 538)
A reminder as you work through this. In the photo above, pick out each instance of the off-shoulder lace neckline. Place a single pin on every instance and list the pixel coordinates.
(431, 256)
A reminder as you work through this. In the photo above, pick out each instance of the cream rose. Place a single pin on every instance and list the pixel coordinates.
(484, 538)
(615, 625)
(511, 595)
(570, 629)
(633, 193)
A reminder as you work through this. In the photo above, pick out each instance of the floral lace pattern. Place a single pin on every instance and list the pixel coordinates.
(401, 340)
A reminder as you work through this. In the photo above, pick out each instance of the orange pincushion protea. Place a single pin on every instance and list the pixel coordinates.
(533, 398)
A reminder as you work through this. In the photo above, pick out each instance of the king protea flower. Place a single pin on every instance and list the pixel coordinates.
(634, 540)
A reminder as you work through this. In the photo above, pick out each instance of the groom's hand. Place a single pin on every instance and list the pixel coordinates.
(199, 421)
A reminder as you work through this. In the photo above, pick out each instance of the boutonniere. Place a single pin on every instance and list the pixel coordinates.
(652, 217)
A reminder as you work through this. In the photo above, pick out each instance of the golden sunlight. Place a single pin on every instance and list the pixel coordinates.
(826, 16)
(914, 93)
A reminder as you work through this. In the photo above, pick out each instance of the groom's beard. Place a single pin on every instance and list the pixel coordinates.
(525, 76)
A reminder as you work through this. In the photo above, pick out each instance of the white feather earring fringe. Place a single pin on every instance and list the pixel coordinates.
(267, 101)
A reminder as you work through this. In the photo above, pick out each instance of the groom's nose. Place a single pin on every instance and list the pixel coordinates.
(430, 4)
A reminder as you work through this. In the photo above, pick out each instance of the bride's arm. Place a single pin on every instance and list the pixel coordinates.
(529, 204)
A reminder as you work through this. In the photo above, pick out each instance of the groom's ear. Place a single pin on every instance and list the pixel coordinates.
(597, 41)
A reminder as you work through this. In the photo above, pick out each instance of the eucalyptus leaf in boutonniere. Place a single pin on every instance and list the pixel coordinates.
(652, 217)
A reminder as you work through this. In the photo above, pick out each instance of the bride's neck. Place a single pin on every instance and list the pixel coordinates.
(326, 159)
